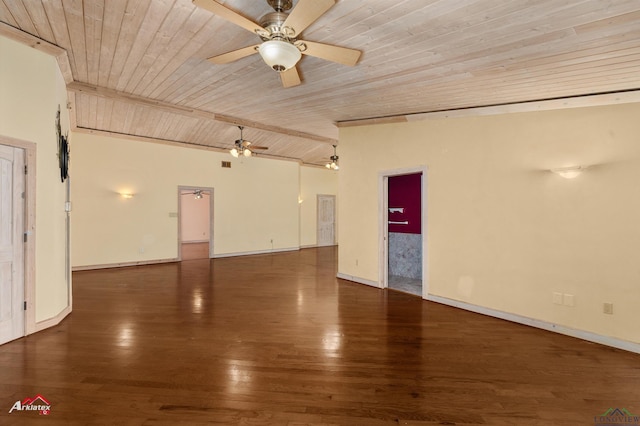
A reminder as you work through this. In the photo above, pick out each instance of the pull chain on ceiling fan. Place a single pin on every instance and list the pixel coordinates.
(281, 49)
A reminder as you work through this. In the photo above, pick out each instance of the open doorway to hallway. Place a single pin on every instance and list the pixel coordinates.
(195, 234)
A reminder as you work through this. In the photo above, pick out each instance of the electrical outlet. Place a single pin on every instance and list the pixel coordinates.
(557, 298)
(568, 300)
(607, 308)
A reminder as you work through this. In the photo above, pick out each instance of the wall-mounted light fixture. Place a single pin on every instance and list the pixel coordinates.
(126, 195)
(569, 172)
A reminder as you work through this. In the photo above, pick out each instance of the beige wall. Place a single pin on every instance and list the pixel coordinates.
(502, 231)
(255, 202)
(31, 88)
(314, 181)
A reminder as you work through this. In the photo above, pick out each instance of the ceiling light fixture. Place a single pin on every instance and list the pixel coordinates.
(242, 151)
(279, 55)
(241, 148)
(333, 165)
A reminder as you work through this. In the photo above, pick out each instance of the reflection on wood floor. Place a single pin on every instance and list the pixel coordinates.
(277, 340)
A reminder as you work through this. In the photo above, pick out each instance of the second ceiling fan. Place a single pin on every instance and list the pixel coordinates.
(280, 48)
(243, 147)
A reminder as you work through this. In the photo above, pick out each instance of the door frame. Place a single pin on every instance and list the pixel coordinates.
(335, 237)
(193, 188)
(29, 225)
(383, 224)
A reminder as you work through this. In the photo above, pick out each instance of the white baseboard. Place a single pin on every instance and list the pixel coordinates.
(44, 324)
(251, 253)
(122, 264)
(358, 280)
(317, 246)
(544, 325)
(519, 319)
(157, 261)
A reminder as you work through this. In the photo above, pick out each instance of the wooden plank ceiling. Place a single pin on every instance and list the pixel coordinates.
(138, 67)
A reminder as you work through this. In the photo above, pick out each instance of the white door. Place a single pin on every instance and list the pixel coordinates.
(326, 220)
(11, 243)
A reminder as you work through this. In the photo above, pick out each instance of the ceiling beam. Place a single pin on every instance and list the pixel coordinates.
(600, 99)
(103, 92)
(44, 46)
(136, 138)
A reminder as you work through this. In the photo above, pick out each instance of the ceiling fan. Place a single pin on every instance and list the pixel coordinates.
(333, 165)
(199, 193)
(280, 48)
(244, 147)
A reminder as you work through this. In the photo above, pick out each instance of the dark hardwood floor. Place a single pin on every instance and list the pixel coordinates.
(278, 340)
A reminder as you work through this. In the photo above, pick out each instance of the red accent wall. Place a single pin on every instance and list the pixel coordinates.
(406, 192)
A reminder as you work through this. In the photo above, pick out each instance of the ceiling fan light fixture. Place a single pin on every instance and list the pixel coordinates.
(279, 55)
(333, 165)
(234, 152)
(247, 152)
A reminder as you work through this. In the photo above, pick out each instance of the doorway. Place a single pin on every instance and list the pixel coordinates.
(326, 220)
(12, 211)
(403, 228)
(195, 223)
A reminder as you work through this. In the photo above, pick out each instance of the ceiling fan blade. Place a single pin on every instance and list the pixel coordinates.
(231, 16)
(341, 55)
(234, 55)
(290, 77)
(305, 13)
(250, 145)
